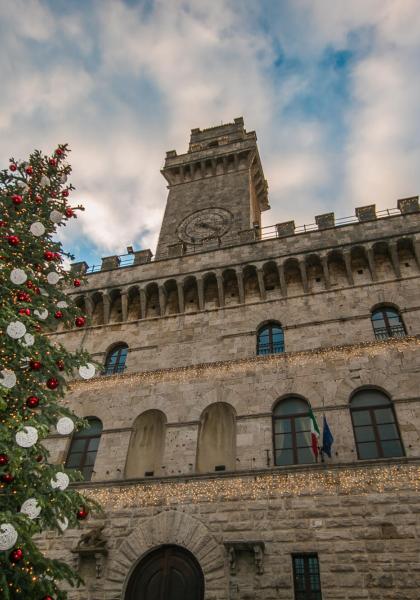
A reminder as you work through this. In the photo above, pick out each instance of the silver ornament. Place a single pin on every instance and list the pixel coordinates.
(28, 340)
(8, 536)
(56, 216)
(60, 482)
(87, 371)
(31, 508)
(53, 277)
(18, 276)
(7, 378)
(26, 437)
(16, 330)
(65, 425)
(37, 229)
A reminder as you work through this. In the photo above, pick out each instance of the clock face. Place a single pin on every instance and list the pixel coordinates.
(205, 224)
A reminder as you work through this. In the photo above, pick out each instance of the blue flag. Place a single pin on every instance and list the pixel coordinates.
(327, 438)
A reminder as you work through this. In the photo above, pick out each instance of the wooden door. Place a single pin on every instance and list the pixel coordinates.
(168, 573)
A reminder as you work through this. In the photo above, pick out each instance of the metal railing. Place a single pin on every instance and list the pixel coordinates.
(274, 348)
(384, 333)
(251, 235)
(113, 369)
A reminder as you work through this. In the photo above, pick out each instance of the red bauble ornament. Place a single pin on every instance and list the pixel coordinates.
(29, 284)
(35, 365)
(80, 321)
(48, 597)
(23, 297)
(13, 167)
(17, 199)
(48, 255)
(32, 401)
(25, 311)
(13, 240)
(65, 193)
(52, 383)
(53, 162)
(2, 223)
(37, 291)
(58, 314)
(77, 282)
(38, 199)
(38, 458)
(16, 555)
(60, 364)
(82, 513)
(29, 170)
(7, 478)
(38, 327)
(69, 212)
(58, 152)
(4, 459)
(57, 256)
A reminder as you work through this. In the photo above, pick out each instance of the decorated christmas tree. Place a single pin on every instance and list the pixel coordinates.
(34, 370)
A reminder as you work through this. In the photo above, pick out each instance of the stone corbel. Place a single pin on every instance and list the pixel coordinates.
(256, 547)
(92, 545)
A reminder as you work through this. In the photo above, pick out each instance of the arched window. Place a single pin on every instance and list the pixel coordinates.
(115, 360)
(292, 432)
(83, 448)
(387, 323)
(270, 339)
(375, 426)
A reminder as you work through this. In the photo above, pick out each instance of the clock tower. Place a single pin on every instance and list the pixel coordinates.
(216, 190)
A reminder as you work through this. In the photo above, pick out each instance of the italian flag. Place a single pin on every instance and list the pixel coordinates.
(314, 433)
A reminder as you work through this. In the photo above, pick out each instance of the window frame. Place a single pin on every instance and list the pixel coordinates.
(389, 330)
(292, 417)
(118, 366)
(83, 436)
(308, 593)
(373, 423)
(270, 325)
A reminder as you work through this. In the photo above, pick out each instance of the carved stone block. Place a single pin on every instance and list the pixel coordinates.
(110, 262)
(325, 221)
(366, 213)
(285, 229)
(79, 268)
(409, 205)
(142, 257)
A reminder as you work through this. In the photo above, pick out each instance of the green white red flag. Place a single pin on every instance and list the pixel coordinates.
(315, 433)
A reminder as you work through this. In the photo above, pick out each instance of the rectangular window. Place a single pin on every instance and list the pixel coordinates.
(306, 579)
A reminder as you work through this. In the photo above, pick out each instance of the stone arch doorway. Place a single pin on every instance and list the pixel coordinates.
(168, 572)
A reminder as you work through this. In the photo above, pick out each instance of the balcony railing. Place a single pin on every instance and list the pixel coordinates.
(384, 333)
(275, 348)
(113, 369)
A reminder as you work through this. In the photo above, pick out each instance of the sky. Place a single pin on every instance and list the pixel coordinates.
(331, 87)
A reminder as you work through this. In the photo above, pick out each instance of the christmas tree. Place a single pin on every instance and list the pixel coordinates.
(34, 495)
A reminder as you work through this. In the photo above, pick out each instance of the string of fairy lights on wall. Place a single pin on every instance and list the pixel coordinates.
(328, 481)
(237, 366)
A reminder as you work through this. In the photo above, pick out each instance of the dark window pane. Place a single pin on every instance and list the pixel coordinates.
(87, 473)
(364, 434)
(282, 426)
(302, 424)
(303, 439)
(305, 455)
(95, 427)
(283, 441)
(368, 450)
(369, 398)
(284, 457)
(384, 415)
(392, 448)
(93, 443)
(388, 432)
(74, 460)
(291, 406)
(77, 445)
(90, 458)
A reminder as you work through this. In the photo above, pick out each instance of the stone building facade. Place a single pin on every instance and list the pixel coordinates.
(213, 354)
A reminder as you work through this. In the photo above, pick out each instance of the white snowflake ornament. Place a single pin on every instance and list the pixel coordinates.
(62, 304)
(56, 216)
(23, 186)
(16, 330)
(44, 181)
(37, 229)
(18, 276)
(60, 482)
(63, 523)
(41, 313)
(65, 425)
(8, 536)
(26, 437)
(87, 371)
(27, 340)
(7, 378)
(53, 277)
(31, 508)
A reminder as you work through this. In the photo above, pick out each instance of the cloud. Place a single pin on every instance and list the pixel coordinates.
(330, 89)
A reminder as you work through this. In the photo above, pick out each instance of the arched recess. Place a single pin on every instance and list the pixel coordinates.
(152, 300)
(97, 309)
(251, 287)
(360, 265)
(190, 295)
(134, 311)
(293, 277)
(314, 272)
(211, 292)
(406, 257)
(383, 264)
(168, 572)
(337, 269)
(271, 278)
(172, 302)
(216, 443)
(115, 311)
(167, 527)
(230, 285)
(147, 444)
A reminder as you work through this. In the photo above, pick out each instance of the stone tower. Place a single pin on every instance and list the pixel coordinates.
(213, 357)
(216, 189)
